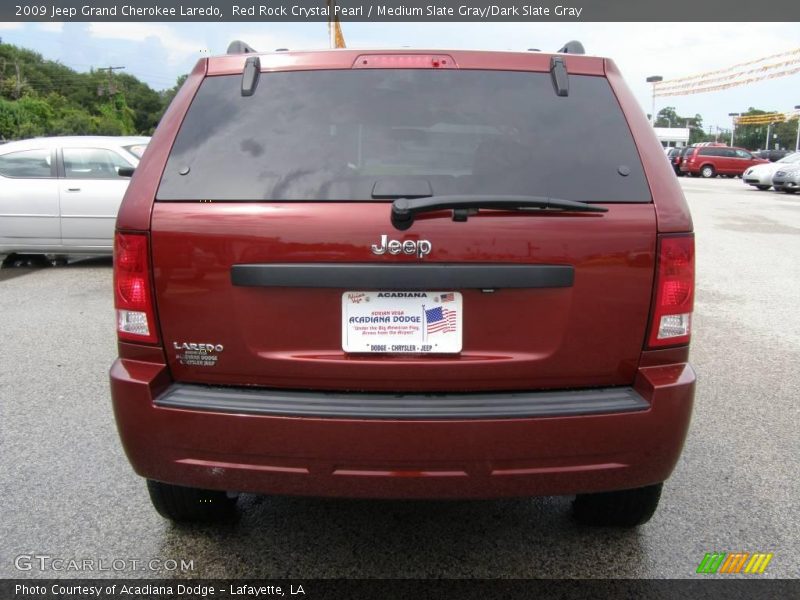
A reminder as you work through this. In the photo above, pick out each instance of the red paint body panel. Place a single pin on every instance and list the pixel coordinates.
(591, 334)
(344, 59)
(403, 459)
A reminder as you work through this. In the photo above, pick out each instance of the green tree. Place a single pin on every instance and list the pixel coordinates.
(168, 95)
(43, 97)
(782, 133)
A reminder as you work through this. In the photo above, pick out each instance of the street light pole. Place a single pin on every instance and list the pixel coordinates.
(654, 79)
(733, 128)
(797, 142)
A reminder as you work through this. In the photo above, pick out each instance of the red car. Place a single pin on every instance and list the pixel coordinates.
(710, 161)
(404, 274)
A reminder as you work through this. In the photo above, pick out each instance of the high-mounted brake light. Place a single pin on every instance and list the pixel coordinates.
(404, 61)
(671, 320)
(132, 290)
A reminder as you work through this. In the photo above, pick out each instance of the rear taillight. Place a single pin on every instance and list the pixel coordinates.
(132, 290)
(674, 292)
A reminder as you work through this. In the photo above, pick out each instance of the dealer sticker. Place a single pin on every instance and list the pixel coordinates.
(402, 322)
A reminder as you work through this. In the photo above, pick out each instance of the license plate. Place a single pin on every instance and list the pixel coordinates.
(402, 322)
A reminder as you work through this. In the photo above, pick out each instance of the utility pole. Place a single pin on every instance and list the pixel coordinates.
(110, 89)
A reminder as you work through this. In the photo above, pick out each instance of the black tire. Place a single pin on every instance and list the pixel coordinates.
(33, 261)
(763, 188)
(707, 172)
(179, 503)
(626, 508)
(789, 190)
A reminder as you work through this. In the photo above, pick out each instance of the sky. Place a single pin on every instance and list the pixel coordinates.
(158, 53)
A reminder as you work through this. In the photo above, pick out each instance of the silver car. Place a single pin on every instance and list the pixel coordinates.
(787, 179)
(61, 195)
(760, 176)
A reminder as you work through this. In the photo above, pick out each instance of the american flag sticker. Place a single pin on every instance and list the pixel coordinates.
(440, 320)
(449, 297)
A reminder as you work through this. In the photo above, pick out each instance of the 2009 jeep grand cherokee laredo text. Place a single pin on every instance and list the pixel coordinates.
(404, 274)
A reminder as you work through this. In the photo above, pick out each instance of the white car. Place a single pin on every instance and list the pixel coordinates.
(61, 195)
(761, 175)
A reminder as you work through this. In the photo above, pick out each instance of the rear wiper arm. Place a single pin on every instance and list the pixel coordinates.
(405, 209)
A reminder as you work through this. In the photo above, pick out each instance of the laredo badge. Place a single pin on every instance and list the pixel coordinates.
(197, 355)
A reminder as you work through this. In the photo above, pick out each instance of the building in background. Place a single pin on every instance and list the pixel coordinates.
(672, 136)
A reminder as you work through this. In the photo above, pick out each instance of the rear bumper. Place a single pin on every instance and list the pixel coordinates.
(629, 445)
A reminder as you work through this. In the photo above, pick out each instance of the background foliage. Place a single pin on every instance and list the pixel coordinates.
(41, 97)
(752, 137)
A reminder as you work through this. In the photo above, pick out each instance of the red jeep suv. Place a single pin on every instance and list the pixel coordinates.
(404, 274)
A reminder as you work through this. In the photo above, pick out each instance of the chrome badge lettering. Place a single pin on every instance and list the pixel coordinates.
(420, 248)
(198, 347)
(192, 354)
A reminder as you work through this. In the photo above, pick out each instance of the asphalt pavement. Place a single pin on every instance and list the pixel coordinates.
(68, 492)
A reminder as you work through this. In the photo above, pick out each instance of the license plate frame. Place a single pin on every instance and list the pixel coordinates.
(402, 322)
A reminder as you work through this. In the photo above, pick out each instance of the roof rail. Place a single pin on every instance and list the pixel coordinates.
(239, 47)
(572, 47)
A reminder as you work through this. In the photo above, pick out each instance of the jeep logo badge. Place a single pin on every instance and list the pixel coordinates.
(421, 248)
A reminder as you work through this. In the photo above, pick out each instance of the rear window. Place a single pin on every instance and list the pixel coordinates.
(332, 135)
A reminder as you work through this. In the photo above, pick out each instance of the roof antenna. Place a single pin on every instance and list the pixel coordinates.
(572, 47)
(239, 47)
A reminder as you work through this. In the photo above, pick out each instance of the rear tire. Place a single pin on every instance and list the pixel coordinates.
(179, 503)
(707, 172)
(789, 190)
(763, 188)
(626, 508)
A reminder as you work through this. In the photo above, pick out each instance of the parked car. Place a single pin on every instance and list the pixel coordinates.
(451, 275)
(787, 179)
(710, 161)
(674, 157)
(760, 176)
(60, 195)
(772, 155)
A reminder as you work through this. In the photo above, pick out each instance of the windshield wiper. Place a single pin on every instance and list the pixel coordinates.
(405, 209)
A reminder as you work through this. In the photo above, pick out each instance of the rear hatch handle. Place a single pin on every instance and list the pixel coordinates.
(404, 210)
